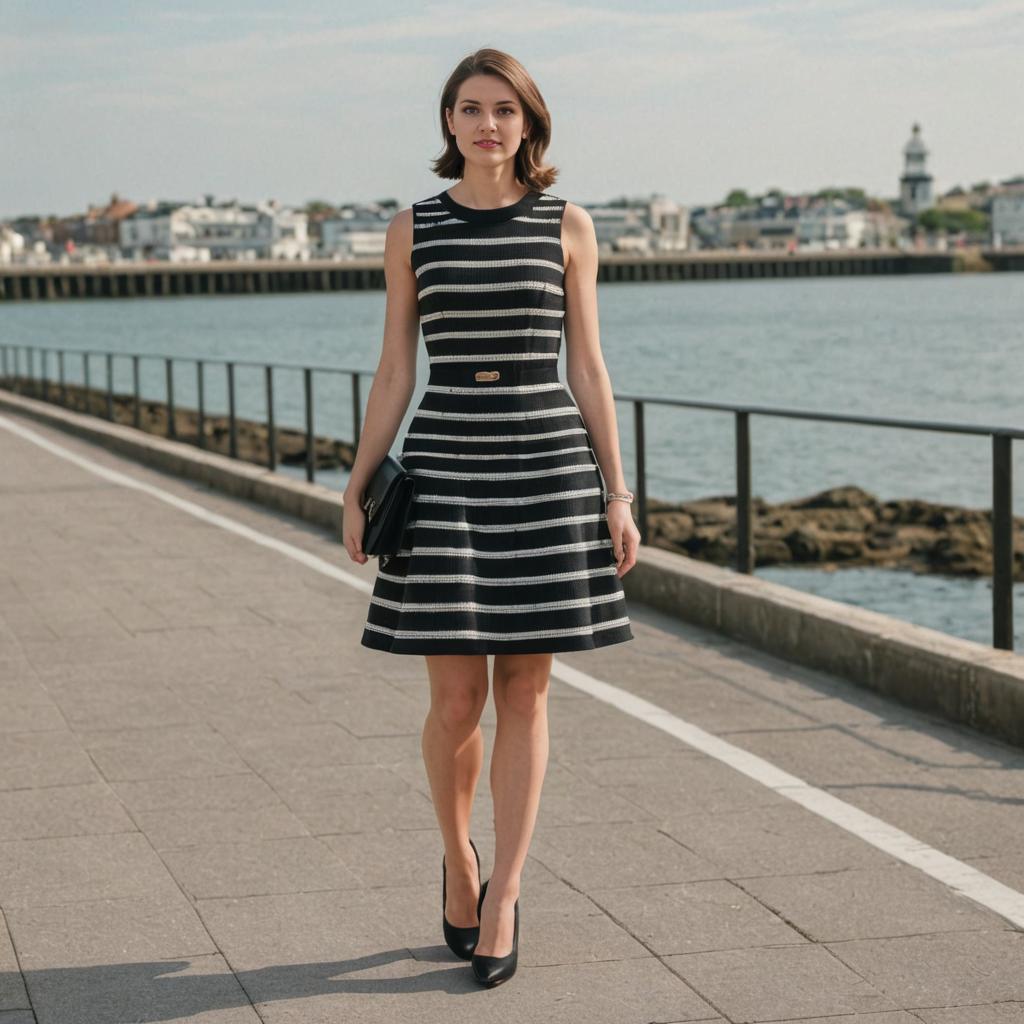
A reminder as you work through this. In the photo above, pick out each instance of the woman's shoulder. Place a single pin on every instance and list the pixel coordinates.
(573, 216)
(427, 205)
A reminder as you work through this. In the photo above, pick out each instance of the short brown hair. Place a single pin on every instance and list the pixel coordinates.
(530, 168)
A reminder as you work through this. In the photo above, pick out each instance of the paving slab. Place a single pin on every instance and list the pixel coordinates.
(197, 988)
(915, 969)
(13, 994)
(45, 872)
(770, 983)
(877, 903)
(38, 758)
(51, 811)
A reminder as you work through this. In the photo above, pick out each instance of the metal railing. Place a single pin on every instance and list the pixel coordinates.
(1002, 441)
(10, 360)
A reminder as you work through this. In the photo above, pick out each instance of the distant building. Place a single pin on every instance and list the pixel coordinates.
(670, 223)
(833, 224)
(916, 182)
(648, 225)
(1008, 216)
(617, 227)
(12, 245)
(956, 200)
(93, 236)
(215, 231)
(790, 222)
(102, 224)
(356, 232)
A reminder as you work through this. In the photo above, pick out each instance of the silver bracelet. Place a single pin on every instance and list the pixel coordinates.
(626, 496)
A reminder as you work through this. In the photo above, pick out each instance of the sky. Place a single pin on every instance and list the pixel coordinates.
(340, 100)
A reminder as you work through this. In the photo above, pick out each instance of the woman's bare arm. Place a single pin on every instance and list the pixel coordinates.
(395, 378)
(587, 375)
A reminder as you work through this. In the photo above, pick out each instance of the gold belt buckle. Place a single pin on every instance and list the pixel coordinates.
(486, 375)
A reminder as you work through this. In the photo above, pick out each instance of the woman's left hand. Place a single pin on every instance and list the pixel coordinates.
(625, 535)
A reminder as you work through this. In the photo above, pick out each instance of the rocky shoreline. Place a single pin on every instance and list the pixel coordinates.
(837, 528)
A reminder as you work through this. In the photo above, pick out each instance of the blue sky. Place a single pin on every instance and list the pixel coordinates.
(339, 100)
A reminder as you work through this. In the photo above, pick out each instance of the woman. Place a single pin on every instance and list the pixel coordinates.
(514, 547)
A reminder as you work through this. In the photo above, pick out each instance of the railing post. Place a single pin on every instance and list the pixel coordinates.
(33, 389)
(357, 410)
(200, 406)
(744, 512)
(232, 425)
(137, 412)
(171, 429)
(307, 379)
(1002, 542)
(641, 470)
(60, 377)
(110, 386)
(85, 381)
(271, 431)
(44, 373)
(3, 364)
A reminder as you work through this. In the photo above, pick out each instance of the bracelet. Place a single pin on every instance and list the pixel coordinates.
(626, 496)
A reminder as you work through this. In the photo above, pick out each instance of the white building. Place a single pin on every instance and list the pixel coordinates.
(1008, 218)
(655, 224)
(357, 233)
(12, 245)
(670, 223)
(832, 224)
(226, 231)
(916, 182)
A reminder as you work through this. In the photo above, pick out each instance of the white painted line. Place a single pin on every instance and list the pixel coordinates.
(957, 875)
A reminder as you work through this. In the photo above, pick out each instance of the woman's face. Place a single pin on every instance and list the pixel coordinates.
(487, 110)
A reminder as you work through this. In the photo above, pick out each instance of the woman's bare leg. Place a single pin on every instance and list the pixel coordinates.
(518, 765)
(453, 752)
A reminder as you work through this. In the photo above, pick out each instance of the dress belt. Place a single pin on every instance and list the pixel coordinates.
(483, 374)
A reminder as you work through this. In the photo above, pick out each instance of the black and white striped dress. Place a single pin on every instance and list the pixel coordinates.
(508, 548)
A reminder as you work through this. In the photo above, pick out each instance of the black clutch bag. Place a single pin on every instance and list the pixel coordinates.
(387, 502)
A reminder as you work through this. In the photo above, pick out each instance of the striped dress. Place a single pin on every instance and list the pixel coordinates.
(507, 549)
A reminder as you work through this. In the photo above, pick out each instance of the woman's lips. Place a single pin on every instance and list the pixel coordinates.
(487, 145)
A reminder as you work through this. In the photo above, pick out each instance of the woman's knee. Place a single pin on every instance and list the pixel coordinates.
(458, 690)
(458, 707)
(521, 689)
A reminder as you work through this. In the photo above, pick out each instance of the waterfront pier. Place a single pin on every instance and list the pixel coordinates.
(267, 277)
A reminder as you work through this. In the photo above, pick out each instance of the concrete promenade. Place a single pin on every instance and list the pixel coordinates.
(213, 806)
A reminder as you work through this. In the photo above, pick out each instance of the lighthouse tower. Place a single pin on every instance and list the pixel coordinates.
(916, 182)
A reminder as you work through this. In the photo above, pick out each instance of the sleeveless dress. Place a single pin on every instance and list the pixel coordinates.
(507, 549)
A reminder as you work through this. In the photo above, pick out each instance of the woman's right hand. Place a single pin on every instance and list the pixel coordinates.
(353, 524)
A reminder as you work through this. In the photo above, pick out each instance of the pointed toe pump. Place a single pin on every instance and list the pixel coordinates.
(493, 970)
(461, 941)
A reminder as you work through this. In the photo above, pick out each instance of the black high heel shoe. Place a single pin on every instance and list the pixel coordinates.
(461, 940)
(493, 970)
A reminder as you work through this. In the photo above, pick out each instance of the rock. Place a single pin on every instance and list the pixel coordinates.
(804, 544)
(771, 551)
(673, 527)
(848, 496)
